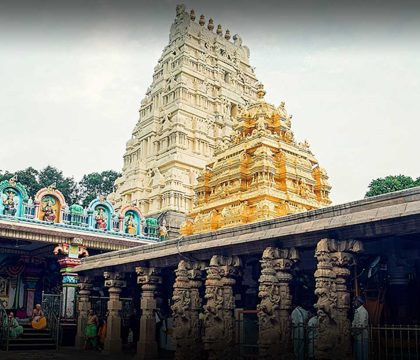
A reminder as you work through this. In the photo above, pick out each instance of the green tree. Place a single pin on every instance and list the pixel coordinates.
(94, 184)
(390, 184)
(5, 175)
(52, 176)
(27, 177)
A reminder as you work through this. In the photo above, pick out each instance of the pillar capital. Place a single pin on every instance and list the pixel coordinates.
(148, 276)
(114, 279)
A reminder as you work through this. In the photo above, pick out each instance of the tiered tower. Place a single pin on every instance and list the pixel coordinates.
(263, 173)
(201, 81)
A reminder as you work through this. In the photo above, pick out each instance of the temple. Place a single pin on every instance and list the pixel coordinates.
(262, 173)
(200, 82)
(265, 268)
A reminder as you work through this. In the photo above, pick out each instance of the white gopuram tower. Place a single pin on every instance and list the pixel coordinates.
(200, 82)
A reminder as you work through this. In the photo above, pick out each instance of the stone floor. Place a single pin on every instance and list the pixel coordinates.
(62, 354)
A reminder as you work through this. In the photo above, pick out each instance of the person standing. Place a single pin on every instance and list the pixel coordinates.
(91, 331)
(360, 329)
(300, 318)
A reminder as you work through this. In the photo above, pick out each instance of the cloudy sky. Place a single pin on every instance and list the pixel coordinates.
(73, 74)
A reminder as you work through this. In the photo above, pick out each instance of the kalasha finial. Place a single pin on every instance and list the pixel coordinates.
(227, 35)
(202, 20)
(210, 26)
(13, 180)
(219, 30)
(192, 15)
(260, 91)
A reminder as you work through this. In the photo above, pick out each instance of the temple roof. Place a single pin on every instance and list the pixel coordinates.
(260, 173)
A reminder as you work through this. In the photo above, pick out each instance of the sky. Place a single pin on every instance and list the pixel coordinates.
(73, 73)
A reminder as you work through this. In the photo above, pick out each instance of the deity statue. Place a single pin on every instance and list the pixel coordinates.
(130, 225)
(101, 219)
(163, 232)
(10, 206)
(49, 213)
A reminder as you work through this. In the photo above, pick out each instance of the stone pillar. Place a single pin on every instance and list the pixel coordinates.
(114, 281)
(219, 321)
(334, 257)
(83, 307)
(186, 310)
(68, 308)
(72, 252)
(149, 279)
(276, 302)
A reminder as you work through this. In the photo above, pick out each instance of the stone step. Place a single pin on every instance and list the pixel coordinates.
(35, 346)
(36, 335)
(23, 340)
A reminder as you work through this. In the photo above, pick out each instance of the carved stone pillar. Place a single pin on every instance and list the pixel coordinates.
(114, 281)
(342, 257)
(149, 279)
(276, 301)
(334, 257)
(186, 309)
(83, 307)
(219, 322)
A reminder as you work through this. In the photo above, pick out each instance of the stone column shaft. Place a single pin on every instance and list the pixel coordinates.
(83, 307)
(185, 310)
(334, 257)
(276, 301)
(114, 282)
(219, 319)
(148, 279)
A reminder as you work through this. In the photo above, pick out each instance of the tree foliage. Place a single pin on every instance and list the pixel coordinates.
(95, 184)
(91, 186)
(391, 183)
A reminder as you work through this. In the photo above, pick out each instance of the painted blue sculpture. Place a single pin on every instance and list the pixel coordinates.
(131, 220)
(101, 213)
(13, 197)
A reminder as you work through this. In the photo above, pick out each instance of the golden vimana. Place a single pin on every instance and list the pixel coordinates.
(260, 174)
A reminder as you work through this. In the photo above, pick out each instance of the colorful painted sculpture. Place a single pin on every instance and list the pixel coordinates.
(10, 204)
(130, 225)
(163, 232)
(50, 204)
(49, 213)
(13, 198)
(101, 219)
